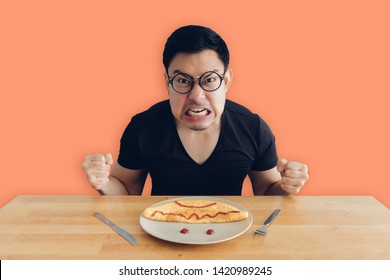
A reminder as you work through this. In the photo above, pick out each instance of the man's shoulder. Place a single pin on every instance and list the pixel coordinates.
(241, 116)
(151, 122)
(239, 110)
(157, 110)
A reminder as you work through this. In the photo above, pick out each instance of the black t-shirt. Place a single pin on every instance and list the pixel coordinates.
(151, 142)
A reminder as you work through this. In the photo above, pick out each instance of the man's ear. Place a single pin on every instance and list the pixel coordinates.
(228, 78)
(166, 81)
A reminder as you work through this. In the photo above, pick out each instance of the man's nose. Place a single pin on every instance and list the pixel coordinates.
(197, 92)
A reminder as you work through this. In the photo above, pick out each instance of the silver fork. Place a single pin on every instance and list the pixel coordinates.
(263, 229)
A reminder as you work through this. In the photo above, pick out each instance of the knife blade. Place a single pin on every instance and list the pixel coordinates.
(126, 235)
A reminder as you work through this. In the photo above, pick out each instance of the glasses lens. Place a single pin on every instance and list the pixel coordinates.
(210, 81)
(182, 83)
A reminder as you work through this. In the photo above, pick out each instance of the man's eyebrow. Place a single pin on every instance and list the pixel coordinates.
(214, 70)
(177, 71)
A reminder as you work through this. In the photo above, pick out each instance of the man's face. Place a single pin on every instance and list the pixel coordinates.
(198, 109)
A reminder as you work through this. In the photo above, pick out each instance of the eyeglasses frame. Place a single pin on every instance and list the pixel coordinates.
(170, 81)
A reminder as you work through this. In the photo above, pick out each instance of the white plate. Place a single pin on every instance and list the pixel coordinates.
(197, 232)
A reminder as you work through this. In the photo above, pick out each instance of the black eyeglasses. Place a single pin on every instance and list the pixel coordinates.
(184, 83)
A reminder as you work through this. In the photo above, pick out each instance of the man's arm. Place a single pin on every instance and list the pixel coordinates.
(266, 182)
(284, 179)
(132, 180)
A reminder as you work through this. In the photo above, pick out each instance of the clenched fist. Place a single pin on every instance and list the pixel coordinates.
(97, 169)
(294, 175)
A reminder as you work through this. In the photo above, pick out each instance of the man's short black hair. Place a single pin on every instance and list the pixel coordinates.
(194, 39)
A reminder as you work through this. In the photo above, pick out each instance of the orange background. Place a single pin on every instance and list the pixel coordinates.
(72, 73)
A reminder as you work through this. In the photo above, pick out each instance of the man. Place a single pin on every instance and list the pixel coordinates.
(197, 142)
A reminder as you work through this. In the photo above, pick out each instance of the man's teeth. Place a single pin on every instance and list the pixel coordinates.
(197, 112)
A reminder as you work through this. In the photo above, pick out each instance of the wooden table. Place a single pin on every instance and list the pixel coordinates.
(308, 227)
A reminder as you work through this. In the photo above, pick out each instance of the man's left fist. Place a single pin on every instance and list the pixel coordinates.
(294, 175)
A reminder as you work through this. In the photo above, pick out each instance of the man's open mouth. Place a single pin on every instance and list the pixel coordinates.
(195, 112)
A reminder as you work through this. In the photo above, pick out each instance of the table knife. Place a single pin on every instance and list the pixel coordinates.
(126, 235)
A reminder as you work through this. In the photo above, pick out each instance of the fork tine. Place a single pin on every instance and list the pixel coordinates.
(261, 230)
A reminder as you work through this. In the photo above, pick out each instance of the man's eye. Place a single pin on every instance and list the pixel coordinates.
(183, 81)
(210, 80)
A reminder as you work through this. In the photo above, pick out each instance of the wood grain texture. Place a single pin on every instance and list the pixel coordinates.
(308, 227)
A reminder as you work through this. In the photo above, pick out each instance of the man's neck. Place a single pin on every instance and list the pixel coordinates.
(214, 128)
(199, 144)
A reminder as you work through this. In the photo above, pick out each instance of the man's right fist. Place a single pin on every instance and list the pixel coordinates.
(97, 169)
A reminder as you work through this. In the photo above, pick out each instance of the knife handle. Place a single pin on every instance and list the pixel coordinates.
(270, 218)
(126, 235)
(103, 219)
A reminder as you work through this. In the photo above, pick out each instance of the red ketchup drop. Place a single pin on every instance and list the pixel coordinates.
(210, 232)
(184, 231)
